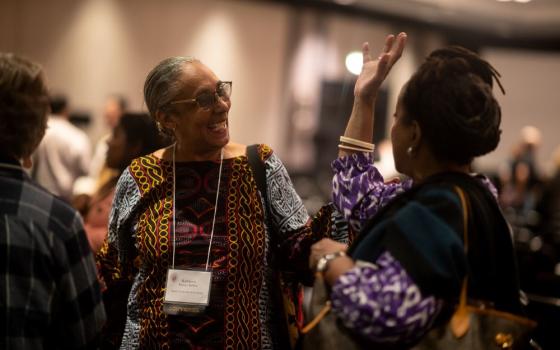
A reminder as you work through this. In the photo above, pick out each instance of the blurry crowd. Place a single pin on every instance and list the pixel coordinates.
(83, 173)
(530, 199)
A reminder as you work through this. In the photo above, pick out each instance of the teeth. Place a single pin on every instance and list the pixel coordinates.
(221, 125)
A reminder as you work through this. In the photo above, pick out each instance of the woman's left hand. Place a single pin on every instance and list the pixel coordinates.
(323, 247)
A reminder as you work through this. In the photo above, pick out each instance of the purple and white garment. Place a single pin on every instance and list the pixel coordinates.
(359, 189)
(381, 302)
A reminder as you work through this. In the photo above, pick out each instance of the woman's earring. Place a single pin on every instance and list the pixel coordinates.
(410, 151)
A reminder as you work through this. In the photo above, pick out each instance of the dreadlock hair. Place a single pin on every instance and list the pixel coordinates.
(450, 96)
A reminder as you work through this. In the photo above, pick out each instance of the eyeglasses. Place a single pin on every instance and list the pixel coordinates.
(207, 100)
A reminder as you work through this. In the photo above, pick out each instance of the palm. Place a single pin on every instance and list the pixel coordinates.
(374, 71)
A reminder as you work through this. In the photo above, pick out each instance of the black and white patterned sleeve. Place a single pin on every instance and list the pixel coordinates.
(287, 209)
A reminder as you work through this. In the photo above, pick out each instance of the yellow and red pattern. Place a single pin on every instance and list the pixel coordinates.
(246, 240)
(246, 306)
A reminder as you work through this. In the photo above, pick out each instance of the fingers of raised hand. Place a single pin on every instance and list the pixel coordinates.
(365, 52)
(398, 49)
(383, 64)
(389, 40)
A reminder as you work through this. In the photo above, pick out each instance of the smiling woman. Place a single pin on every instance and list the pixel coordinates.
(192, 211)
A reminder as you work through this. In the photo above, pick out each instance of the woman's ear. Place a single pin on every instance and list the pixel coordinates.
(166, 120)
(415, 134)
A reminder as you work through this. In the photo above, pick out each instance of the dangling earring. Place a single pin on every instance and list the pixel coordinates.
(27, 162)
(410, 151)
(159, 127)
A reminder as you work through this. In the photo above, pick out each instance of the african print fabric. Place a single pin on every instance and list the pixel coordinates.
(243, 312)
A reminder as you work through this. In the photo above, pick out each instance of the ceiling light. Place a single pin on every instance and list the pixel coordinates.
(522, 1)
(354, 62)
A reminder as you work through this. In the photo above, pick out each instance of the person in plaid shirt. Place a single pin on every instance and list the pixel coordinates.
(49, 294)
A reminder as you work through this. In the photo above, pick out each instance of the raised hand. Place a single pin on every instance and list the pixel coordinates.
(374, 71)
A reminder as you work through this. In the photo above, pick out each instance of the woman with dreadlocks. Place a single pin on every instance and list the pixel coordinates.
(408, 263)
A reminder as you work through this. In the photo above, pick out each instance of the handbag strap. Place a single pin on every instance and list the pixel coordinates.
(257, 166)
(460, 321)
(320, 315)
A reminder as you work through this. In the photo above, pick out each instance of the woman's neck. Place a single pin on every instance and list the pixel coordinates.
(182, 154)
(190, 153)
(430, 169)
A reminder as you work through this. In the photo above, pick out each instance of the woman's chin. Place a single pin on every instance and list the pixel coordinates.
(220, 139)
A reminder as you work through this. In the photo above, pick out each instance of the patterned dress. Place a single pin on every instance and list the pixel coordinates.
(244, 311)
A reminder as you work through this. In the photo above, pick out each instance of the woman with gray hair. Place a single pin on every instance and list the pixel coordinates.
(199, 238)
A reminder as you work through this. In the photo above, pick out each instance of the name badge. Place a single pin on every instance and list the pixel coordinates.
(187, 291)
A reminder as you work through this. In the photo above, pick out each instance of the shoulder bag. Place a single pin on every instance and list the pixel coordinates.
(470, 327)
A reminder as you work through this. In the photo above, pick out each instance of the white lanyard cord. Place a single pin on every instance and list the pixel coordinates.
(215, 208)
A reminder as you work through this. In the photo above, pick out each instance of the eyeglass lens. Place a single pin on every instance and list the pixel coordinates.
(208, 99)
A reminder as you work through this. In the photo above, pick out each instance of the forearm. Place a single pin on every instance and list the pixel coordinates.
(360, 124)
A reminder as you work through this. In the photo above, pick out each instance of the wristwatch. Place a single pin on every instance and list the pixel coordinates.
(323, 263)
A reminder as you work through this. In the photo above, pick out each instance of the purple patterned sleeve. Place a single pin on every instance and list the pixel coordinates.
(382, 303)
(488, 184)
(359, 189)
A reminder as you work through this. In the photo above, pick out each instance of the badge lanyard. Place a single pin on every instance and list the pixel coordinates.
(215, 208)
(187, 291)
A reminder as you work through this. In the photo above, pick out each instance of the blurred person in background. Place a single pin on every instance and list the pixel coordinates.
(64, 153)
(115, 107)
(538, 253)
(549, 203)
(98, 172)
(49, 292)
(135, 135)
(519, 192)
(522, 187)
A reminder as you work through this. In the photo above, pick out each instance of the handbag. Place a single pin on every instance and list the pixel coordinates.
(471, 327)
(325, 330)
(479, 326)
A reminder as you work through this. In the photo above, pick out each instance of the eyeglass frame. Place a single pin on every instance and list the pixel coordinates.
(215, 95)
